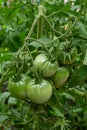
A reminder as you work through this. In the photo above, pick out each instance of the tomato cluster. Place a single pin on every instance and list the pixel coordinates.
(39, 91)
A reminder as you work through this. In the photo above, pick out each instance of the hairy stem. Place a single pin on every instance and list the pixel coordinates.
(40, 21)
(32, 61)
(32, 27)
(54, 30)
(40, 28)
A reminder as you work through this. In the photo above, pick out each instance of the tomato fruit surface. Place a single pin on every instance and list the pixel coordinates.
(44, 65)
(39, 92)
(67, 54)
(18, 89)
(60, 77)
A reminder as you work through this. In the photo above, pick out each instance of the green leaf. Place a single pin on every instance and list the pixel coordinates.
(82, 29)
(12, 101)
(79, 76)
(3, 118)
(41, 42)
(4, 96)
(75, 7)
(77, 110)
(35, 44)
(56, 112)
(5, 56)
(68, 96)
(15, 112)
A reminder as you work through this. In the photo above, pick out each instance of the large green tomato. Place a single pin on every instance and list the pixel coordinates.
(43, 64)
(67, 54)
(60, 77)
(39, 92)
(18, 89)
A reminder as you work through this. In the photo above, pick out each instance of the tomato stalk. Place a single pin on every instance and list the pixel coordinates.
(54, 30)
(32, 61)
(40, 21)
(40, 27)
(32, 27)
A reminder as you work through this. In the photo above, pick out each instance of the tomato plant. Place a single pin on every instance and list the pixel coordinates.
(46, 41)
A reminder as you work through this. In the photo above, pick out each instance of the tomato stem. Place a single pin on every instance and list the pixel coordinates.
(32, 61)
(32, 27)
(41, 11)
(54, 30)
(40, 27)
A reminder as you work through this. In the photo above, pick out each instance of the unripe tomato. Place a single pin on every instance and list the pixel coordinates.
(60, 77)
(39, 92)
(67, 54)
(18, 89)
(43, 64)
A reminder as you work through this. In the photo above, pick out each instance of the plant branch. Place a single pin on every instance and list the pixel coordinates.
(32, 61)
(63, 35)
(32, 27)
(79, 36)
(54, 30)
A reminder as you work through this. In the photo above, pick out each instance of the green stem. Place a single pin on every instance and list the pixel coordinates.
(40, 27)
(79, 36)
(54, 13)
(41, 11)
(54, 30)
(30, 120)
(32, 61)
(32, 27)
(25, 123)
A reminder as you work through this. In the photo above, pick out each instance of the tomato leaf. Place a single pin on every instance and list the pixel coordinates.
(81, 28)
(56, 112)
(79, 76)
(3, 118)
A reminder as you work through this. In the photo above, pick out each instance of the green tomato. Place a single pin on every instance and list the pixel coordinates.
(67, 54)
(18, 89)
(44, 65)
(60, 77)
(39, 92)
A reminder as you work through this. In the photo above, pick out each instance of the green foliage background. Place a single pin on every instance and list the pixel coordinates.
(67, 108)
